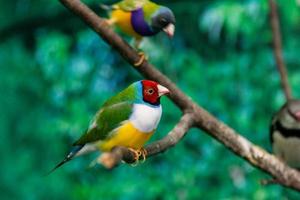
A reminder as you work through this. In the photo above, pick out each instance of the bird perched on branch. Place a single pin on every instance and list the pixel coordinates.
(141, 18)
(127, 119)
(285, 133)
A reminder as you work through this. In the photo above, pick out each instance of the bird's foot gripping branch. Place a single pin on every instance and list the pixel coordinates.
(194, 115)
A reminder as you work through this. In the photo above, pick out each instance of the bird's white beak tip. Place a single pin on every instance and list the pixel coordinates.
(169, 30)
(297, 114)
(162, 90)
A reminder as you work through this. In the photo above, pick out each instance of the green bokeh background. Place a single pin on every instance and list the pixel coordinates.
(55, 73)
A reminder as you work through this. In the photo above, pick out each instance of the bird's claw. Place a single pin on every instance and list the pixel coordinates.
(108, 161)
(143, 153)
(142, 58)
(137, 154)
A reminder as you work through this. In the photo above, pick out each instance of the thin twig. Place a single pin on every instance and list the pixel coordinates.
(277, 48)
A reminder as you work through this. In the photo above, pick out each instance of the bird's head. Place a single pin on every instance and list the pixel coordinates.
(289, 114)
(293, 108)
(151, 91)
(164, 20)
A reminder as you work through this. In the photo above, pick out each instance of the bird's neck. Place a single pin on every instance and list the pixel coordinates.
(139, 24)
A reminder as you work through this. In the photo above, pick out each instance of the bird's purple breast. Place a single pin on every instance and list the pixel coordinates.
(139, 24)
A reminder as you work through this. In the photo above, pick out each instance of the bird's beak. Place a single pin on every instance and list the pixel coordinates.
(297, 115)
(162, 90)
(169, 30)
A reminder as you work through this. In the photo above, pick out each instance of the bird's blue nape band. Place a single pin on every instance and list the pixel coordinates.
(139, 89)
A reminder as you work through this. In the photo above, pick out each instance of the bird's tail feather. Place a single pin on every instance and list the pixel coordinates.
(69, 157)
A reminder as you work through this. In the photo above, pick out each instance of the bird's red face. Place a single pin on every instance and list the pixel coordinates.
(152, 92)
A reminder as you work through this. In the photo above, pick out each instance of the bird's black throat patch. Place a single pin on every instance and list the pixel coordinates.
(285, 132)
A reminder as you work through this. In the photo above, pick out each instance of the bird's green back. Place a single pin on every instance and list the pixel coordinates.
(130, 5)
(113, 112)
(129, 95)
(149, 9)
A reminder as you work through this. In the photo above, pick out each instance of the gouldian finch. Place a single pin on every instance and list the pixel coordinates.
(127, 119)
(140, 18)
(285, 133)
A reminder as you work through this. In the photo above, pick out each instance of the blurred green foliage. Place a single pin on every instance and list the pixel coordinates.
(55, 73)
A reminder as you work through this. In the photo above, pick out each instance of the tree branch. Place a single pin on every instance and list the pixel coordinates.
(277, 49)
(204, 120)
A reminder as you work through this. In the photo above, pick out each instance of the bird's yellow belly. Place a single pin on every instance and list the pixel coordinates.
(123, 20)
(128, 136)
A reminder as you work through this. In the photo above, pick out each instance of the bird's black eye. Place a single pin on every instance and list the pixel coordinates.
(163, 21)
(150, 91)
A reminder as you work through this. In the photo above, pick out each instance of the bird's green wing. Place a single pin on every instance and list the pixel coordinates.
(130, 5)
(113, 112)
(149, 9)
(105, 121)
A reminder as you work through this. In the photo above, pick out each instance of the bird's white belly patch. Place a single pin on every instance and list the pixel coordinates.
(145, 118)
(287, 149)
